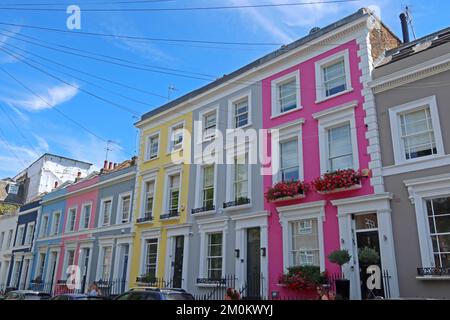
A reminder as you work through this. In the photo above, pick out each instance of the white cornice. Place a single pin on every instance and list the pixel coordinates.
(414, 73)
(335, 110)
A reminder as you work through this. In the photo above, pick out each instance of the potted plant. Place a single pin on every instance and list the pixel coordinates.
(337, 181)
(341, 257)
(286, 190)
(368, 256)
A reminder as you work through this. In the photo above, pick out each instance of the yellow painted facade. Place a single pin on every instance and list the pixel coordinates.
(159, 168)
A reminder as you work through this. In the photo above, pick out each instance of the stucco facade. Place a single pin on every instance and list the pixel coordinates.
(405, 85)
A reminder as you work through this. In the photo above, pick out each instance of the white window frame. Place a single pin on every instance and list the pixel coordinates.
(199, 185)
(148, 146)
(103, 245)
(145, 253)
(275, 84)
(173, 127)
(208, 226)
(147, 235)
(43, 227)
(82, 216)
(102, 216)
(394, 117)
(231, 116)
(229, 196)
(294, 213)
(66, 259)
(119, 219)
(335, 117)
(29, 237)
(21, 234)
(55, 228)
(10, 239)
(208, 235)
(2, 239)
(42, 257)
(172, 172)
(202, 115)
(68, 219)
(146, 179)
(320, 85)
(287, 132)
(420, 190)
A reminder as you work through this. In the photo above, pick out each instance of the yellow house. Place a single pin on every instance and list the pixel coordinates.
(161, 231)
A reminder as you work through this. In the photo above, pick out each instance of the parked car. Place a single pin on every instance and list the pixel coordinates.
(77, 296)
(150, 293)
(26, 295)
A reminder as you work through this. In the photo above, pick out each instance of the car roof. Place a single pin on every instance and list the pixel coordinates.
(38, 293)
(73, 295)
(156, 289)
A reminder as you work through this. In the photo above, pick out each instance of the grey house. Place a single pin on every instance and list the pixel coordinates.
(111, 241)
(226, 198)
(411, 86)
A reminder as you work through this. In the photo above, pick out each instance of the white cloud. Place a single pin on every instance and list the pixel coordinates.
(4, 39)
(54, 96)
(287, 23)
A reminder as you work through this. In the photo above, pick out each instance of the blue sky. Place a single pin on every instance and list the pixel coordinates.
(31, 127)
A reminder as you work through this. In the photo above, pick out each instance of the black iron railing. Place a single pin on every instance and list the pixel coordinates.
(433, 271)
(235, 203)
(203, 209)
(217, 287)
(171, 214)
(154, 282)
(145, 218)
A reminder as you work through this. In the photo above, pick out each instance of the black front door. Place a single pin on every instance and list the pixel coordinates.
(178, 262)
(253, 263)
(367, 238)
(86, 253)
(52, 275)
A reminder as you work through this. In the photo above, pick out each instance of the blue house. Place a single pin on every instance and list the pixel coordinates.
(22, 252)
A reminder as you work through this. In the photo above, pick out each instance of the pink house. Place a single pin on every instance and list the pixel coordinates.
(320, 115)
(78, 218)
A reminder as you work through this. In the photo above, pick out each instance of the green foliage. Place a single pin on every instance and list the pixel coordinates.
(368, 256)
(7, 208)
(303, 278)
(339, 257)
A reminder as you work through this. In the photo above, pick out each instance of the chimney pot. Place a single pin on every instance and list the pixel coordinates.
(56, 185)
(405, 30)
(105, 164)
(115, 165)
(110, 165)
(79, 174)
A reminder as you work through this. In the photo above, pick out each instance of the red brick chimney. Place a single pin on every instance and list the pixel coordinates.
(105, 164)
(110, 165)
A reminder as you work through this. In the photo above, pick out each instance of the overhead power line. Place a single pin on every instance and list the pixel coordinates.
(235, 7)
(140, 38)
(124, 108)
(54, 108)
(83, 3)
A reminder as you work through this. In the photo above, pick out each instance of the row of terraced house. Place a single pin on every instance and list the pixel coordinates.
(345, 146)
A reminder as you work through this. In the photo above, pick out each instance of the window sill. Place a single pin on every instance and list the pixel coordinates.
(354, 187)
(243, 127)
(237, 208)
(150, 160)
(209, 285)
(279, 115)
(205, 213)
(417, 164)
(323, 99)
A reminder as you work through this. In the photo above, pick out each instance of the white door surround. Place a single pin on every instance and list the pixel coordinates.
(244, 222)
(172, 232)
(379, 204)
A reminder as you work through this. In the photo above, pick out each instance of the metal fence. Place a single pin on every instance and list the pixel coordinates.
(107, 288)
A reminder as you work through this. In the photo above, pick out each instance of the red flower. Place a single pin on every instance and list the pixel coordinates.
(337, 179)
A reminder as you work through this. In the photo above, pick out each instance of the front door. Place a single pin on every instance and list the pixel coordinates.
(177, 278)
(368, 246)
(125, 250)
(54, 260)
(85, 265)
(253, 290)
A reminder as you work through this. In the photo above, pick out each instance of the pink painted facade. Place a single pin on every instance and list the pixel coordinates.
(71, 238)
(311, 155)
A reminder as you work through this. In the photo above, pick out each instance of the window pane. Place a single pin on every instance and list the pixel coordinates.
(440, 206)
(340, 151)
(208, 176)
(305, 242)
(287, 96)
(289, 160)
(334, 78)
(241, 113)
